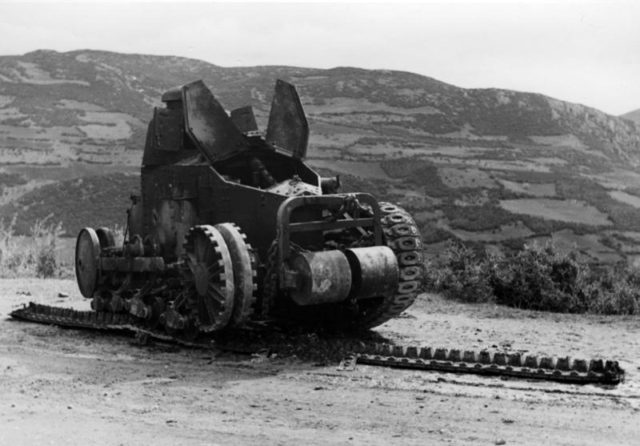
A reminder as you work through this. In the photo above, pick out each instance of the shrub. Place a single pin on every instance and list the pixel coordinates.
(33, 255)
(463, 275)
(612, 291)
(45, 240)
(535, 277)
(538, 278)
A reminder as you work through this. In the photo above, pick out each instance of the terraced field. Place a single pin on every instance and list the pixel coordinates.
(493, 167)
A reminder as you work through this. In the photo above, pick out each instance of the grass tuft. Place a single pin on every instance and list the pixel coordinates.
(32, 255)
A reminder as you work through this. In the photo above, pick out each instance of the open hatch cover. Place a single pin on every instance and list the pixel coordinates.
(208, 124)
(288, 128)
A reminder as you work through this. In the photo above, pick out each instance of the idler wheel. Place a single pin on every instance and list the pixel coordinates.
(401, 234)
(398, 286)
(210, 279)
(87, 261)
(244, 271)
(106, 238)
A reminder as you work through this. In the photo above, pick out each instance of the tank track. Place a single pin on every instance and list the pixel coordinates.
(96, 320)
(565, 370)
(401, 234)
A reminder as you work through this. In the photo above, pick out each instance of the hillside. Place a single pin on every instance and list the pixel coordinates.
(633, 116)
(497, 167)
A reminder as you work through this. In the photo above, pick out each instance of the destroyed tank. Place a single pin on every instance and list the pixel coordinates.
(231, 226)
(232, 231)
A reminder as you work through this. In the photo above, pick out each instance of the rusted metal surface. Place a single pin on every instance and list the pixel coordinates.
(322, 277)
(132, 264)
(375, 271)
(169, 128)
(209, 125)
(244, 119)
(288, 128)
(338, 224)
(337, 203)
(106, 238)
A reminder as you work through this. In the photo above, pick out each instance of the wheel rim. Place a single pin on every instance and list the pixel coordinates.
(106, 238)
(244, 271)
(87, 261)
(210, 276)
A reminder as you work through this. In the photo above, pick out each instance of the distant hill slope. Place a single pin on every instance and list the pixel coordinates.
(492, 166)
(633, 116)
(93, 106)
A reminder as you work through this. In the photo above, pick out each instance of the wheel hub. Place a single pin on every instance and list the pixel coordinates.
(209, 280)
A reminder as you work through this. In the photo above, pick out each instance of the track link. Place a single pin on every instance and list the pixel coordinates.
(70, 318)
(565, 370)
(401, 234)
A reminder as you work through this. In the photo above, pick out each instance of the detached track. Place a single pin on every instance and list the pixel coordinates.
(453, 361)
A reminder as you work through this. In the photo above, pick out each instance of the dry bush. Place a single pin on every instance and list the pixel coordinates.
(540, 278)
(462, 274)
(33, 255)
(537, 278)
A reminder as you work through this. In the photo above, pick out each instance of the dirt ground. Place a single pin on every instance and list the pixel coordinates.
(62, 386)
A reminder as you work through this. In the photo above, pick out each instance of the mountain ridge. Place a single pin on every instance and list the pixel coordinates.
(492, 166)
(633, 115)
(485, 109)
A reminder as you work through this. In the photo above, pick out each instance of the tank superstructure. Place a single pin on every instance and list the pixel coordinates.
(231, 225)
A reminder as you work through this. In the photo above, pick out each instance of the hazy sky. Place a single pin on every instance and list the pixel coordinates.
(580, 51)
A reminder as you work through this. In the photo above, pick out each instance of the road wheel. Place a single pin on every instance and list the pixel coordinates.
(210, 279)
(243, 259)
(87, 262)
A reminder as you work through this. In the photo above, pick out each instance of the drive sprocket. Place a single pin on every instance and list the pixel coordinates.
(243, 258)
(209, 279)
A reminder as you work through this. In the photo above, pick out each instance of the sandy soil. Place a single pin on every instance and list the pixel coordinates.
(61, 386)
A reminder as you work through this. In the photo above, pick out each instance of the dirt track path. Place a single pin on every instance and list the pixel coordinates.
(73, 387)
